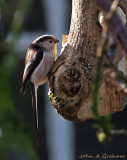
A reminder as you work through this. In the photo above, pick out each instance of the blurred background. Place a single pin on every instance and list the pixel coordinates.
(21, 22)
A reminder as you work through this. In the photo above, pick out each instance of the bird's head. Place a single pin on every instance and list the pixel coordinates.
(47, 42)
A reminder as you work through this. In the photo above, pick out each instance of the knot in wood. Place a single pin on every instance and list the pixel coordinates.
(70, 82)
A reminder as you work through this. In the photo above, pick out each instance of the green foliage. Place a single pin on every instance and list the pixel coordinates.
(103, 123)
(14, 133)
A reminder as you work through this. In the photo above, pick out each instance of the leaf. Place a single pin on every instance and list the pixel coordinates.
(64, 39)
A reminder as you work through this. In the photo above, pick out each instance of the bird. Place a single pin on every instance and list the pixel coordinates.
(39, 60)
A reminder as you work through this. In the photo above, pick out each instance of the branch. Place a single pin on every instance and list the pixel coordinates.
(72, 75)
(116, 23)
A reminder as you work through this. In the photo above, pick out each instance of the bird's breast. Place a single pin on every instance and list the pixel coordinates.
(40, 74)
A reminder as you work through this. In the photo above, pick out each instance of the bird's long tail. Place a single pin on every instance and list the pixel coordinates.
(35, 112)
(23, 88)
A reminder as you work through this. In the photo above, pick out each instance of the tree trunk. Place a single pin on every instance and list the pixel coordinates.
(71, 77)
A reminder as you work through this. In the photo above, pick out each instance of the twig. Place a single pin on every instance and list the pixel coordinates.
(119, 133)
(104, 123)
(116, 23)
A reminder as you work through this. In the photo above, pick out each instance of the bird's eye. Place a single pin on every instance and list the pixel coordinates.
(50, 41)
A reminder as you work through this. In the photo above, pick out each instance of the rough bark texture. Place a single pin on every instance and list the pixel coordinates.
(71, 78)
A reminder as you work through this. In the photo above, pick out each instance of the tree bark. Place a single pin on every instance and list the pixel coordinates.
(72, 75)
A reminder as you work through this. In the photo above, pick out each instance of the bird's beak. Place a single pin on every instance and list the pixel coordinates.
(57, 41)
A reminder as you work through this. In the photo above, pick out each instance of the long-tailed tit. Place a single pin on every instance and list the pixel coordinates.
(40, 58)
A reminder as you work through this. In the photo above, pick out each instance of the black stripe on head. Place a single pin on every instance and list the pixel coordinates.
(34, 46)
(45, 37)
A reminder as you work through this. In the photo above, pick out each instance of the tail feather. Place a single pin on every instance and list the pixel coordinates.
(23, 88)
(35, 112)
